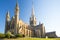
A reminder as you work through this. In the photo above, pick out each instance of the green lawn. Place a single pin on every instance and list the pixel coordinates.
(34, 39)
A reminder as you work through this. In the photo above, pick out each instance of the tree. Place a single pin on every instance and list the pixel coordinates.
(8, 34)
(2, 35)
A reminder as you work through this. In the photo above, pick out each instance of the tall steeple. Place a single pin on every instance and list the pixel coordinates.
(32, 9)
(32, 18)
(8, 16)
(16, 17)
(7, 23)
(17, 12)
(17, 6)
(17, 9)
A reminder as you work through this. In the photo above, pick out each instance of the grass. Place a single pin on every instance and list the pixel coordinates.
(28, 38)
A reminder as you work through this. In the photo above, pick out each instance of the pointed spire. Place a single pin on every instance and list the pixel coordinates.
(32, 9)
(8, 14)
(17, 6)
(32, 18)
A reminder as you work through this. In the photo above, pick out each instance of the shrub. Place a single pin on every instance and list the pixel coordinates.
(12, 36)
(2, 35)
(19, 35)
(8, 34)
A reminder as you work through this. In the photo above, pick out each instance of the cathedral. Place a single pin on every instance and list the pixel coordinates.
(17, 26)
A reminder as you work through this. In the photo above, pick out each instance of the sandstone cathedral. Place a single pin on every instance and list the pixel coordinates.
(17, 26)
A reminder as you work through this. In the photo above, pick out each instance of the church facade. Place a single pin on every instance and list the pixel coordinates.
(17, 26)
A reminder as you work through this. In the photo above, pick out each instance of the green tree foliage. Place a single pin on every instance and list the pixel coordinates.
(8, 34)
(2, 35)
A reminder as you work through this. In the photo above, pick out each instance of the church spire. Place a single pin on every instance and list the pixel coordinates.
(32, 18)
(32, 9)
(8, 16)
(16, 17)
(7, 23)
(17, 6)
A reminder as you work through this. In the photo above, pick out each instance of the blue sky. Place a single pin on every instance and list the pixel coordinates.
(46, 12)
